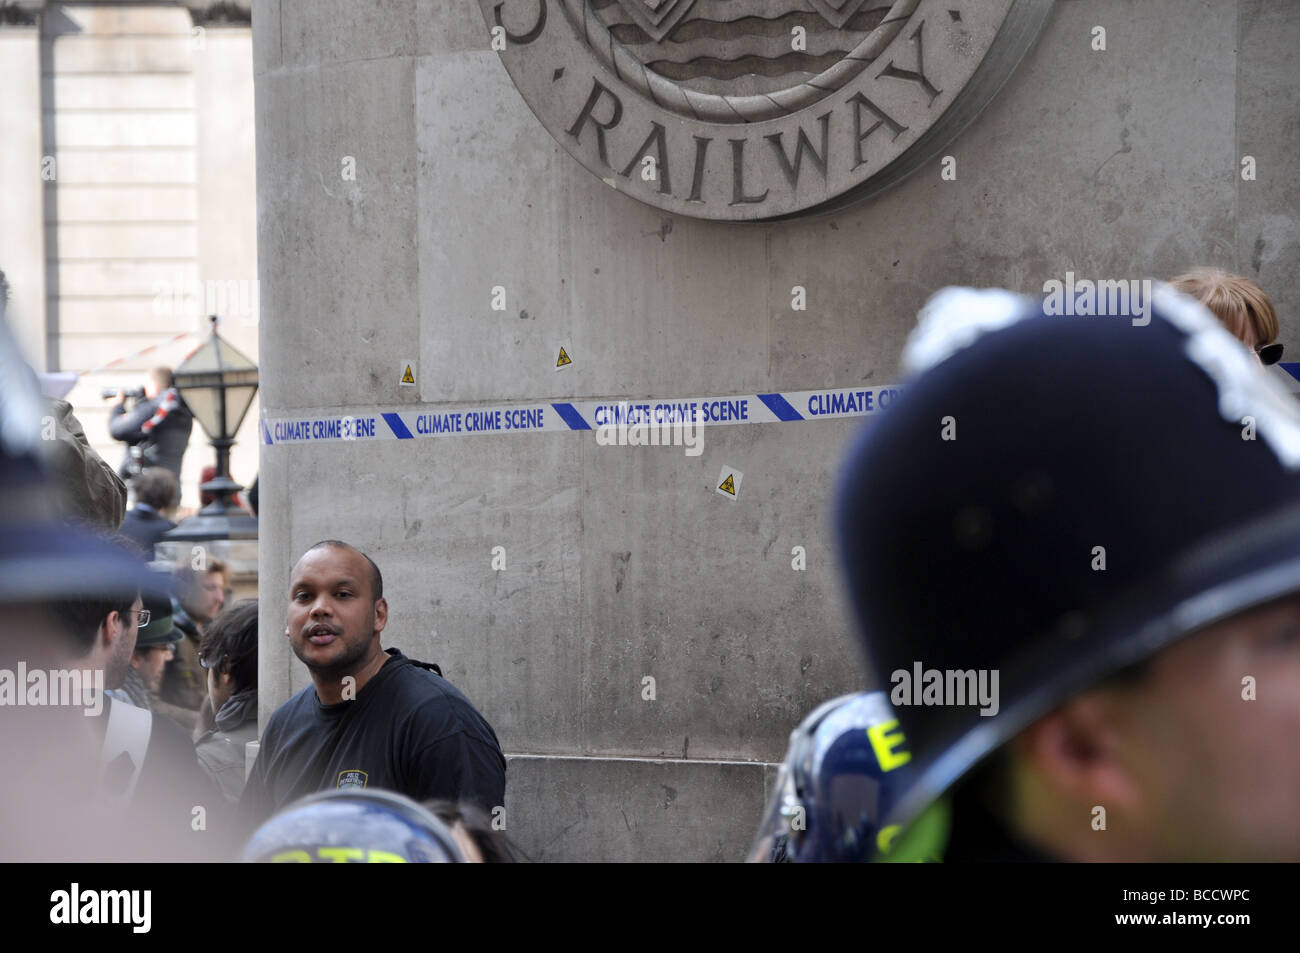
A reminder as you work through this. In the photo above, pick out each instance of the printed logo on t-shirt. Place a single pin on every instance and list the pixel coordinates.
(352, 780)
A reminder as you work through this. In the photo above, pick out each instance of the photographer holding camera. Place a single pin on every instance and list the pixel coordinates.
(156, 430)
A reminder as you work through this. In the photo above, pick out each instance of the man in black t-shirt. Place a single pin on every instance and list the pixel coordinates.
(371, 718)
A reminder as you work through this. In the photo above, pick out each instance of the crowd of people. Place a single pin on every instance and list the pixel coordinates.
(129, 685)
(136, 741)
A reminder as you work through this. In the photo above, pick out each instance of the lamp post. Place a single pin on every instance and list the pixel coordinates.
(218, 384)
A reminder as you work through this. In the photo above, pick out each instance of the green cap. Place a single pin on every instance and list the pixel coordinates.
(160, 630)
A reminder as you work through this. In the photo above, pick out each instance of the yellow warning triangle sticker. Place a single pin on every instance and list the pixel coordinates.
(728, 486)
(407, 376)
(563, 358)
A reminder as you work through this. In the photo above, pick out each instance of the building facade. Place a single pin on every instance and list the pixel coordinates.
(129, 203)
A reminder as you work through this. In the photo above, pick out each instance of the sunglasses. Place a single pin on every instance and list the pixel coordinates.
(1269, 353)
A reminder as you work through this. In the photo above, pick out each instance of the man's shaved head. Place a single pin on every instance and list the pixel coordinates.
(333, 625)
(376, 578)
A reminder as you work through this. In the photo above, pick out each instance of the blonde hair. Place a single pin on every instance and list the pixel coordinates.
(1236, 301)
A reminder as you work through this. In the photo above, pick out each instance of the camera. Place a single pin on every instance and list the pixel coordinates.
(136, 393)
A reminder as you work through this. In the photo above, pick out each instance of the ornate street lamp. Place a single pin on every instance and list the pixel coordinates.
(218, 384)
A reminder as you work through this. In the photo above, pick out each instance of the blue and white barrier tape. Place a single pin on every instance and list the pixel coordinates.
(521, 417)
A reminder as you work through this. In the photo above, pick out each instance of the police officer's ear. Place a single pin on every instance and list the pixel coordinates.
(1078, 754)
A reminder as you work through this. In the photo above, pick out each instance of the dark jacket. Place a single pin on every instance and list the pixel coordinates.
(91, 490)
(144, 526)
(221, 751)
(185, 681)
(135, 690)
(164, 446)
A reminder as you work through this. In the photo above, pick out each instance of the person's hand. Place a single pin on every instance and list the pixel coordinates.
(118, 398)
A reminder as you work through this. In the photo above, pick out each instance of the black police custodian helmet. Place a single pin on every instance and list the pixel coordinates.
(1054, 498)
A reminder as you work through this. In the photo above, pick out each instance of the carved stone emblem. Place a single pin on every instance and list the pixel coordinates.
(752, 110)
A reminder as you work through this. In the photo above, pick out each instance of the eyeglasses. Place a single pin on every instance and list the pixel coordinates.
(142, 617)
(208, 663)
(1269, 353)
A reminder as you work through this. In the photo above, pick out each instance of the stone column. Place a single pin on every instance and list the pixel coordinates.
(22, 201)
(227, 192)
